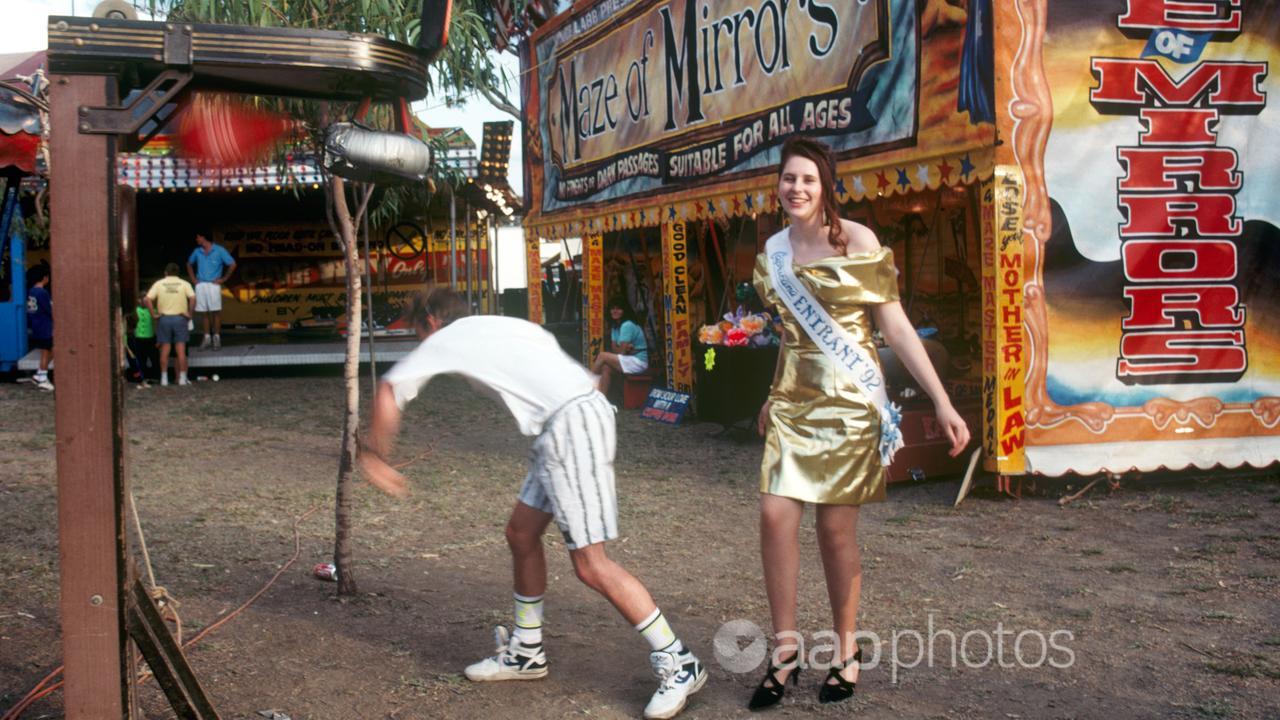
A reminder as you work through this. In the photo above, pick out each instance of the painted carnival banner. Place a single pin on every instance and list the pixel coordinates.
(635, 97)
(675, 280)
(593, 297)
(1157, 223)
(1003, 336)
(533, 271)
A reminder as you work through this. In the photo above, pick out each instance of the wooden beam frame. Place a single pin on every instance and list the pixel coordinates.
(102, 603)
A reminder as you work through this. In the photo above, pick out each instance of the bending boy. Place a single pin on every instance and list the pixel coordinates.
(570, 479)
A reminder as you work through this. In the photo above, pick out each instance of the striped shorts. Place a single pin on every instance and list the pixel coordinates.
(571, 471)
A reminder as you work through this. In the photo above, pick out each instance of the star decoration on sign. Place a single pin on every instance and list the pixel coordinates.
(903, 181)
(945, 170)
(966, 166)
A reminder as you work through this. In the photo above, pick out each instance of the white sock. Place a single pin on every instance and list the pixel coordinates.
(182, 377)
(655, 630)
(42, 376)
(528, 629)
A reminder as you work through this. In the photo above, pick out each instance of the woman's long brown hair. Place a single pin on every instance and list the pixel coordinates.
(821, 156)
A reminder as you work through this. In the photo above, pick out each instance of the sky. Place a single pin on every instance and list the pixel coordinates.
(24, 29)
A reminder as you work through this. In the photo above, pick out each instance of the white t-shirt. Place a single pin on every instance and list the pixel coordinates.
(516, 359)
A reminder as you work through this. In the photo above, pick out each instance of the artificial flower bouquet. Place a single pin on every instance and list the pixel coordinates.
(741, 329)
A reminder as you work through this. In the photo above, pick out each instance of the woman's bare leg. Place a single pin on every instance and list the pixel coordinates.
(842, 562)
(780, 554)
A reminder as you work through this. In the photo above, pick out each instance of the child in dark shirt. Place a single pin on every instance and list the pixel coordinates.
(40, 322)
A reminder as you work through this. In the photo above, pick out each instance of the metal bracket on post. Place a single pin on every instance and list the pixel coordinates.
(129, 119)
(177, 45)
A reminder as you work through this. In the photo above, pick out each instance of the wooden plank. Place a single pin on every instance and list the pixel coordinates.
(91, 483)
(165, 657)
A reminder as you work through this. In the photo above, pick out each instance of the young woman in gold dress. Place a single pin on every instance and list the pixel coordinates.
(822, 434)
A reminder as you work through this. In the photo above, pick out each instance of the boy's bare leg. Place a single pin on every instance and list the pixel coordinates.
(600, 573)
(680, 673)
(528, 560)
(520, 655)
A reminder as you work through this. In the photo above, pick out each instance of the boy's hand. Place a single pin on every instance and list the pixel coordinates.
(381, 475)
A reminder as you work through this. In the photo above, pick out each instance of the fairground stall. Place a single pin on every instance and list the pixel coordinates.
(1078, 226)
(653, 131)
(23, 107)
(290, 273)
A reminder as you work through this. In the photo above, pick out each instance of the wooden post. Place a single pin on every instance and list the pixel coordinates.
(91, 481)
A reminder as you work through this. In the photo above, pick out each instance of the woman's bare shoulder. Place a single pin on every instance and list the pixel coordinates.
(860, 238)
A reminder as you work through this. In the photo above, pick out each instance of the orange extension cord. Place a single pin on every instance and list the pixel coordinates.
(40, 690)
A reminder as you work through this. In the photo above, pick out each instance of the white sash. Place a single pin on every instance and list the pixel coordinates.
(835, 341)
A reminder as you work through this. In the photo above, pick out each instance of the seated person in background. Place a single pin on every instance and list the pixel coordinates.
(630, 354)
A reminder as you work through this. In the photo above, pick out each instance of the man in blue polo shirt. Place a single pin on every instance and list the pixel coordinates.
(209, 267)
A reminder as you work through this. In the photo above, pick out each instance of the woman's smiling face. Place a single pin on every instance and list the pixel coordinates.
(800, 188)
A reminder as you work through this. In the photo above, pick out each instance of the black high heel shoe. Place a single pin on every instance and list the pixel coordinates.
(841, 689)
(770, 691)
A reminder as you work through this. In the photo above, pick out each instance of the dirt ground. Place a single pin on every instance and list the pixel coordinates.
(1167, 586)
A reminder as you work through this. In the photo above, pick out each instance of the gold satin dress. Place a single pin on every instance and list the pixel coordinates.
(823, 440)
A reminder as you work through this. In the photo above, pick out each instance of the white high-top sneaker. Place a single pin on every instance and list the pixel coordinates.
(514, 661)
(682, 675)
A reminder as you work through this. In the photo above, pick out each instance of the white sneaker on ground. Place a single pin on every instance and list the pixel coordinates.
(217, 342)
(183, 381)
(514, 661)
(45, 385)
(682, 675)
(206, 343)
(164, 380)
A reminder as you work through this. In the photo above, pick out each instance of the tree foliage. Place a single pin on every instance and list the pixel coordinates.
(466, 66)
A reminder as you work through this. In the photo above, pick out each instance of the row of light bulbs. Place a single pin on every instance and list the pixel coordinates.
(497, 198)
